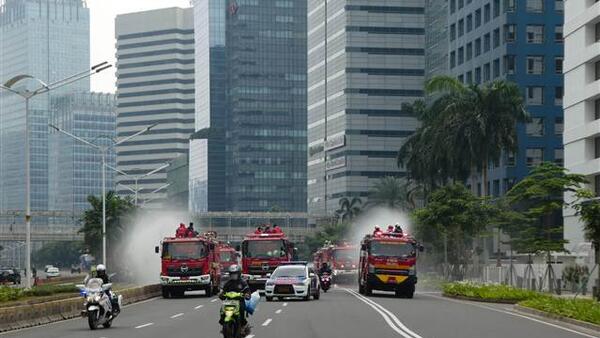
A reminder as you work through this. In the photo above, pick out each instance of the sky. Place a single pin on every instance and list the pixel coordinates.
(103, 13)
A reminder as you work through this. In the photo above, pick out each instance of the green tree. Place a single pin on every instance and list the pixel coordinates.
(539, 200)
(117, 212)
(455, 216)
(329, 233)
(349, 209)
(588, 209)
(392, 192)
(61, 254)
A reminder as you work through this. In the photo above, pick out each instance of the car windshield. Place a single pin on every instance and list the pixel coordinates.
(345, 255)
(290, 271)
(264, 249)
(94, 284)
(184, 250)
(392, 249)
(227, 256)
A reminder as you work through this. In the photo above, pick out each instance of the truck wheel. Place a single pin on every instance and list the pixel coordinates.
(208, 291)
(269, 299)
(368, 290)
(410, 291)
(361, 288)
(399, 293)
(166, 293)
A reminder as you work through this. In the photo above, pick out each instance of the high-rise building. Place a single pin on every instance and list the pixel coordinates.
(50, 41)
(155, 85)
(522, 42)
(75, 170)
(581, 104)
(365, 60)
(249, 152)
(436, 38)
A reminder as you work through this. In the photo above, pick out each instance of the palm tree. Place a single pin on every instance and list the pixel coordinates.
(392, 192)
(349, 209)
(479, 123)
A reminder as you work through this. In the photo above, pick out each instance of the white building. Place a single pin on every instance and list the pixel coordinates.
(581, 102)
(155, 84)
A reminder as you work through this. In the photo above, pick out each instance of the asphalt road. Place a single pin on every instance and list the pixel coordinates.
(339, 313)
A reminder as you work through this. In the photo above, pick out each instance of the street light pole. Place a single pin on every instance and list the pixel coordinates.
(136, 178)
(27, 95)
(103, 150)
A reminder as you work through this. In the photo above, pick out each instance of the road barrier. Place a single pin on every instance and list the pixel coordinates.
(19, 317)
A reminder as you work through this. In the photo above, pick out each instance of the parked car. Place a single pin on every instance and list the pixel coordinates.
(75, 269)
(10, 276)
(52, 272)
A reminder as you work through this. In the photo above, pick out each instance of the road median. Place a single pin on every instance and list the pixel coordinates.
(23, 316)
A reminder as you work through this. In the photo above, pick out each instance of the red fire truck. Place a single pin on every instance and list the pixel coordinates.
(261, 254)
(189, 264)
(388, 263)
(342, 259)
(228, 257)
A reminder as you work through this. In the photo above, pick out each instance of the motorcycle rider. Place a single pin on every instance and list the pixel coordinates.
(324, 269)
(101, 273)
(236, 284)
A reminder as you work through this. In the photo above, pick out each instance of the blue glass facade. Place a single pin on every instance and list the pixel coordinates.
(520, 41)
(251, 93)
(49, 40)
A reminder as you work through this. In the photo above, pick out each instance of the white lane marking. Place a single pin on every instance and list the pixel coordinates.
(177, 315)
(144, 325)
(514, 314)
(389, 317)
(250, 336)
(267, 322)
(284, 304)
(214, 300)
(198, 307)
(278, 311)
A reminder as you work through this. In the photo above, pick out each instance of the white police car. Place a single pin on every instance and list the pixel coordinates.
(294, 279)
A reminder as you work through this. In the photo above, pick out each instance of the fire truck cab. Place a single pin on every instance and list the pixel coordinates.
(261, 254)
(388, 263)
(342, 259)
(189, 264)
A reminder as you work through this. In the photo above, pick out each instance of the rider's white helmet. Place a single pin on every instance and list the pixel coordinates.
(100, 267)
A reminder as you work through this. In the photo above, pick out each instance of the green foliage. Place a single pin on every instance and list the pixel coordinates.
(349, 209)
(464, 128)
(11, 294)
(488, 292)
(588, 209)
(394, 193)
(117, 212)
(453, 211)
(580, 309)
(60, 254)
(333, 233)
(537, 202)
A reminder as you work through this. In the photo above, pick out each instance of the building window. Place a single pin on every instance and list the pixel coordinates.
(487, 13)
(509, 64)
(510, 159)
(510, 33)
(478, 75)
(597, 29)
(478, 47)
(487, 73)
(461, 27)
(469, 51)
(461, 78)
(469, 23)
(487, 42)
(597, 147)
(597, 70)
(535, 6)
(535, 65)
(469, 77)
(535, 127)
(478, 18)
(509, 5)
(496, 37)
(535, 156)
(559, 5)
(535, 34)
(597, 109)
(453, 32)
(559, 125)
(461, 55)
(558, 65)
(558, 96)
(461, 4)
(559, 157)
(452, 6)
(496, 68)
(496, 8)
(558, 34)
(597, 185)
(452, 59)
(535, 95)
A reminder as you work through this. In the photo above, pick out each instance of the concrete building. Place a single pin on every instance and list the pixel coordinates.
(365, 59)
(155, 85)
(522, 42)
(178, 180)
(49, 40)
(581, 103)
(249, 151)
(74, 168)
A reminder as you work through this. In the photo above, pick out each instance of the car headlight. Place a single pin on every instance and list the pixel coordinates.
(269, 283)
(205, 277)
(371, 268)
(353, 266)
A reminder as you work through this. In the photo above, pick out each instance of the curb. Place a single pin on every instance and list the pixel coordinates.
(480, 300)
(527, 310)
(24, 316)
